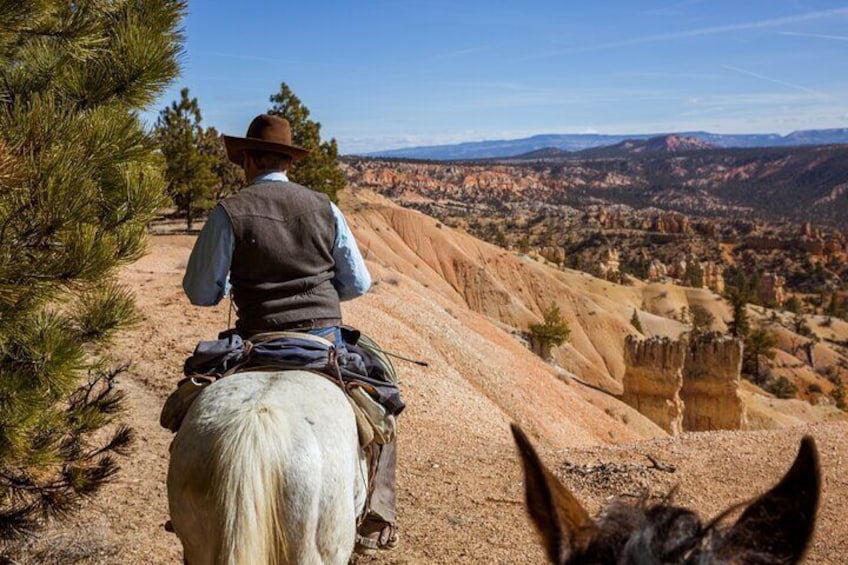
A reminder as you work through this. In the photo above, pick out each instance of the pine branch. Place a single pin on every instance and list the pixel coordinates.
(17, 521)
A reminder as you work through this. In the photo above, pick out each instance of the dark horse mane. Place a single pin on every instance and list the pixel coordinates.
(773, 529)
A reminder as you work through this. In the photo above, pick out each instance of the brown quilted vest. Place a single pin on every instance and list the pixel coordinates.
(282, 262)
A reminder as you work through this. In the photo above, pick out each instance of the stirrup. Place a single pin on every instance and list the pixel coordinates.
(385, 538)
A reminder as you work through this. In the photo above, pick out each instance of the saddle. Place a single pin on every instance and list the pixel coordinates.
(355, 364)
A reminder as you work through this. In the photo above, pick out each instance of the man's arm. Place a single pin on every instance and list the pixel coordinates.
(352, 278)
(205, 281)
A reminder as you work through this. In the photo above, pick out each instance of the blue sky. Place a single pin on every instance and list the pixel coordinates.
(382, 74)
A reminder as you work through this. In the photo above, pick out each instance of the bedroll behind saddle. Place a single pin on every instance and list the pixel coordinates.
(356, 364)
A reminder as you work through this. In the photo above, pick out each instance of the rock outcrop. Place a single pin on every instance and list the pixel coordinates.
(817, 245)
(554, 254)
(772, 289)
(657, 271)
(609, 265)
(671, 223)
(653, 379)
(686, 386)
(710, 393)
(713, 276)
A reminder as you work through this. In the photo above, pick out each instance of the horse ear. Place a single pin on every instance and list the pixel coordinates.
(560, 519)
(780, 523)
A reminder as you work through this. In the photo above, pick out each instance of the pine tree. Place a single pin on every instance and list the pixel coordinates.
(781, 387)
(79, 180)
(553, 332)
(702, 319)
(229, 176)
(793, 305)
(758, 342)
(801, 327)
(838, 396)
(739, 326)
(636, 322)
(694, 274)
(189, 169)
(834, 305)
(319, 170)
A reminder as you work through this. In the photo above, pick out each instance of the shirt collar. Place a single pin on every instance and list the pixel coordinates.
(276, 176)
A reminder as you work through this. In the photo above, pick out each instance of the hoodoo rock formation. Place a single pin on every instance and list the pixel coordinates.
(713, 276)
(670, 223)
(710, 393)
(610, 264)
(686, 386)
(653, 379)
(657, 271)
(771, 289)
(554, 254)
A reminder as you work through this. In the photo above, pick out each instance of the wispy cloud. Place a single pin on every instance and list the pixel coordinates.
(759, 100)
(816, 35)
(713, 30)
(775, 81)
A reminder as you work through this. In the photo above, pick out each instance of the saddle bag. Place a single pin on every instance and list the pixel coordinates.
(178, 402)
(375, 402)
(372, 420)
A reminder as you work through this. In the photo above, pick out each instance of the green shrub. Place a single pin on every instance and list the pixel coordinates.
(781, 387)
(838, 396)
(552, 332)
(635, 322)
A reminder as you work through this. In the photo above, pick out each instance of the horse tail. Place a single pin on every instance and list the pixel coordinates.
(249, 464)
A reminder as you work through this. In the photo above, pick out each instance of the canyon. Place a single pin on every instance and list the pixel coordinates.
(579, 213)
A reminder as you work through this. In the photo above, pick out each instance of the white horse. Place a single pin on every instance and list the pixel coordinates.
(266, 468)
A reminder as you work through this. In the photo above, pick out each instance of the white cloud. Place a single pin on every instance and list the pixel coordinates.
(759, 24)
(816, 35)
(775, 81)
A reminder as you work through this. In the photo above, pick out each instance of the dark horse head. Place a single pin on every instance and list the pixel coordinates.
(773, 529)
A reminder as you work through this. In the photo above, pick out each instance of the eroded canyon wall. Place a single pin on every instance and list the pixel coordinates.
(653, 379)
(710, 393)
(688, 385)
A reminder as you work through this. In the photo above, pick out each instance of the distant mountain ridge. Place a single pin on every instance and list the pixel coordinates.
(672, 143)
(578, 142)
(666, 144)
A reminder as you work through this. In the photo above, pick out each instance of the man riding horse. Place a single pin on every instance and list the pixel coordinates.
(290, 258)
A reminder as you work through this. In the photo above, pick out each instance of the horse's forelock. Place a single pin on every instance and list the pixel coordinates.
(646, 535)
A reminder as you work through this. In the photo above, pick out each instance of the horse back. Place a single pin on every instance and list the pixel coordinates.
(266, 468)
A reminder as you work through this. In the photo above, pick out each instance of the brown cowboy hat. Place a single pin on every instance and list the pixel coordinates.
(270, 134)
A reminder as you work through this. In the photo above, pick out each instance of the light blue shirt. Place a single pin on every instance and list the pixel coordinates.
(206, 279)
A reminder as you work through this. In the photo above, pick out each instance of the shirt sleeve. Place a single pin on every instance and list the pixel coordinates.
(206, 279)
(352, 278)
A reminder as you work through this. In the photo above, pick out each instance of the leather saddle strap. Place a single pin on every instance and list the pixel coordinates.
(269, 336)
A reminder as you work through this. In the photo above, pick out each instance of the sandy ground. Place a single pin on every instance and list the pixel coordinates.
(459, 484)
